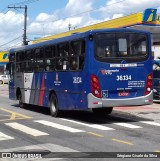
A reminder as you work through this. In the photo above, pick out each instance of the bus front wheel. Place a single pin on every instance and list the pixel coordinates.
(54, 106)
(102, 111)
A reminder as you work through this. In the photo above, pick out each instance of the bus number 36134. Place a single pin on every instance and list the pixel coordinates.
(123, 77)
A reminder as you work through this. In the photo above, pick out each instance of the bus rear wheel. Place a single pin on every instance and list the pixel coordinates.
(102, 111)
(54, 106)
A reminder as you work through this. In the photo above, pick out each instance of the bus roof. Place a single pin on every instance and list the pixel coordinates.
(75, 36)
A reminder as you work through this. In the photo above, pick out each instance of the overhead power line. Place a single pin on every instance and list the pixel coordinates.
(20, 3)
(24, 2)
(87, 11)
(3, 10)
(15, 45)
(3, 14)
(92, 10)
(10, 41)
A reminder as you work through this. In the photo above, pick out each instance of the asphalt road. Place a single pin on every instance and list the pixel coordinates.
(78, 134)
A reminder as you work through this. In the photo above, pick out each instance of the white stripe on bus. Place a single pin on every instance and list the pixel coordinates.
(100, 127)
(25, 129)
(58, 126)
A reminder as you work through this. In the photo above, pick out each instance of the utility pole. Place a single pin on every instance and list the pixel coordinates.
(25, 22)
(69, 26)
(25, 26)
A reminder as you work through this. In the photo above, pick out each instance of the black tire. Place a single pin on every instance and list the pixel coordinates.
(54, 106)
(102, 111)
(21, 104)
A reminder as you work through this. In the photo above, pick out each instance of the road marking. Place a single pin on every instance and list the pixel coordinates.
(151, 123)
(13, 116)
(26, 129)
(122, 141)
(128, 125)
(95, 134)
(58, 126)
(5, 137)
(17, 114)
(100, 127)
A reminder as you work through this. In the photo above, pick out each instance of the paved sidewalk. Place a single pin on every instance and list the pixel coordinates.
(147, 111)
(4, 90)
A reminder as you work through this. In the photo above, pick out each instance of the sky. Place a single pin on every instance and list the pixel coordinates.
(48, 17)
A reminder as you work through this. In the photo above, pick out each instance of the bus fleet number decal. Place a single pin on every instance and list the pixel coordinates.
(123, 77)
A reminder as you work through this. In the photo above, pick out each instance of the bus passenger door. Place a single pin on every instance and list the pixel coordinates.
(27, 86)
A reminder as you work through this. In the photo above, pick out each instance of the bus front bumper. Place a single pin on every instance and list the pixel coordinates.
(94, 102)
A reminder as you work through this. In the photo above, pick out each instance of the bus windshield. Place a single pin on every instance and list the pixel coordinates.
(117, 46)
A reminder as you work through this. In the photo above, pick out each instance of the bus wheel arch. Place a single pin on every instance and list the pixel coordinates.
(19, 97)
(53, 104)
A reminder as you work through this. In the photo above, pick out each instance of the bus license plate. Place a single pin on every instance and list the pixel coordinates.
(123, 94)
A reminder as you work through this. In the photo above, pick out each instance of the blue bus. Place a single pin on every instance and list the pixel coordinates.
(95, 70)
(156, 80)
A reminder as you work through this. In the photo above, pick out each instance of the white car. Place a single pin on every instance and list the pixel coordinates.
(4, 79)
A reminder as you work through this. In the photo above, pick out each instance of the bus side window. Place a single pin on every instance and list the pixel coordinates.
(12, 69)
(12, 57)
(63, 57)
(74, 60)
(11, 66)
(39, 59)
(29, 61)
(82, 56)
(122, 47)
(20, 61)
(49, 58)
(59, 65)
(77, 53)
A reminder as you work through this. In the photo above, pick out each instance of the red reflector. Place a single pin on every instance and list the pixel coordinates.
(148, 100)
(95, 86)
(148, 87)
